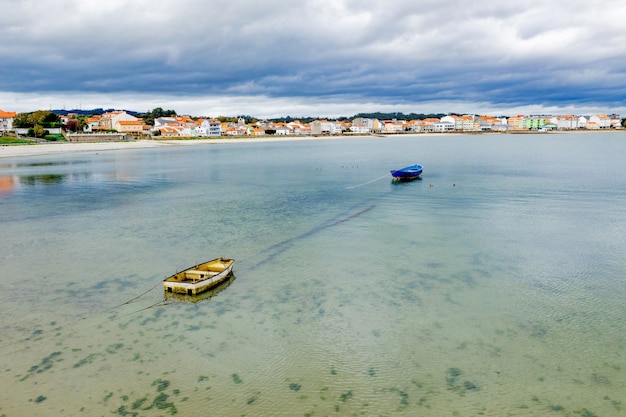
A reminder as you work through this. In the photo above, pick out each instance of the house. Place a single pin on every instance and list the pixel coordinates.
(429, 124)
(616, 121)
(565, 122)
(160, 122)
(180, 126)
(366, 125)
(131, 126)
(92, 124)
(487, 123)
(6, 120)
(168, 132)
(207, 128)
(281, 129)
(230, 129)
(108, 120)
(601, 121)
(299, 128)
(514, 122)
(256, 131)
(463, 123)
(360, 129)
(522, 122)
(532, 122)
(393, 126)
(325, 127)
(443, 126)
(416, 126)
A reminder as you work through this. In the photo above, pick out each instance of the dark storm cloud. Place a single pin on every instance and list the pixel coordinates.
(394, 51)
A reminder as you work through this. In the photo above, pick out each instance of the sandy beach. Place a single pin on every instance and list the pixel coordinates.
(13, 151)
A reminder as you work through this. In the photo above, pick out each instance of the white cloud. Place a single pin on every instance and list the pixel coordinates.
(269, 107)
(373, 51)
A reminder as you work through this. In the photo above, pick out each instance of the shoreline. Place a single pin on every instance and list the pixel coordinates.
(42, 149)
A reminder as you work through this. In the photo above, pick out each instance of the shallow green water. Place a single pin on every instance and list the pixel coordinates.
(493, 286)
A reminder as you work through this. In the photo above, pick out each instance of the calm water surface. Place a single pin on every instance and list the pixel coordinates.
(493, 286)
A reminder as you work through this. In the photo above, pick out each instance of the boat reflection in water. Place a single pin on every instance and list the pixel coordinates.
(206, 295)
(199, 278)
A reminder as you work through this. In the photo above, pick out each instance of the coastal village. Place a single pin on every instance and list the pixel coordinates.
(120, 125)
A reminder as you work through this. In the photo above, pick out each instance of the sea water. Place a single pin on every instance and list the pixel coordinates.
(494, 285)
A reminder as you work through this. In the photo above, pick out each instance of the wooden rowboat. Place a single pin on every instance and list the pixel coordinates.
(199, 278)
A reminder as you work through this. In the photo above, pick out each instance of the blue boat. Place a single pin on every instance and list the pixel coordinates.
(407, 174)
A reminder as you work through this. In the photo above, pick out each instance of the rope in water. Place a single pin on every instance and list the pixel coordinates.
(365, 183)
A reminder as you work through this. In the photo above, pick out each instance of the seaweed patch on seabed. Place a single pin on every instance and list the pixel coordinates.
(278, 248)
(161, 401)
(453, 376)
(45, 364)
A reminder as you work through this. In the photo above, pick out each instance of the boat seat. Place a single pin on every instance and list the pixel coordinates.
(216, 267)
(200, 272)
(197, 272)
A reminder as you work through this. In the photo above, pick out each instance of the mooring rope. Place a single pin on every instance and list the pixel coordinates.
(139, 296)
(365, 183)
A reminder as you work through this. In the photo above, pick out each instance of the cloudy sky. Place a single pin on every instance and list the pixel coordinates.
(270, 58)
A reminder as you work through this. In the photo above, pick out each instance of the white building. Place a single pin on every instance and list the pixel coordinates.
(365, 125)
(6, 120)
(462, 123)
(325, 127)
(602, 121)
(110, 119)
(207, 128)
(565, 122)
(443, 126)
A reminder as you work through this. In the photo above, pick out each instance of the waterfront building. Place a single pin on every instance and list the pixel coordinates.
(6, 120)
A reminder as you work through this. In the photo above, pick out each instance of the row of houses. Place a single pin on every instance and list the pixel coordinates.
(472, 123)
(186, 126)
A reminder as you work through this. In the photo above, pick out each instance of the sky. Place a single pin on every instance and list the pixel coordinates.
(317, 58)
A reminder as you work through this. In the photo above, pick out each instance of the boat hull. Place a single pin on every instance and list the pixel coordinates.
(205, 295)
(199, 278)
(407, 174)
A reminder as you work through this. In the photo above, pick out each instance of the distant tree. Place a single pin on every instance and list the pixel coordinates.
(72, 125)
(42, 118)
(247, 119)
(21, 120)
(148, 117)
(38, 131)
(397, 116)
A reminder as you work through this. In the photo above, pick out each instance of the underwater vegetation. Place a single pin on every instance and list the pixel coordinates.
(453, 376)
(45, 364)
(161, 401)
(88, 359)
(345, 396)
(586, 413)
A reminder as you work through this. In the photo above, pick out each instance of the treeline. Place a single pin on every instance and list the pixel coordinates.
(38, 122)
(399, 116)
(149, 116)
(157, 112)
